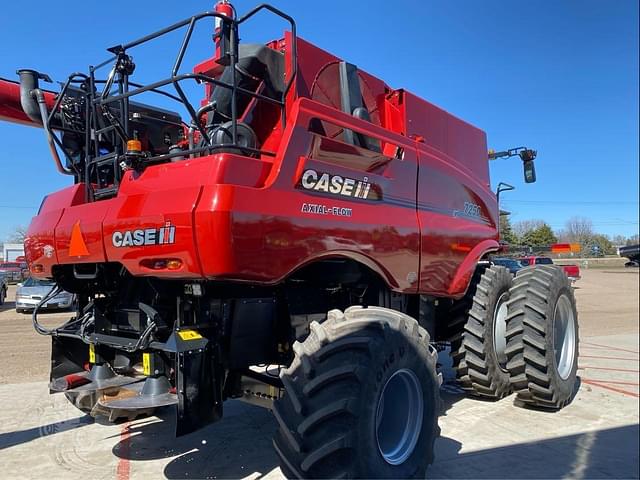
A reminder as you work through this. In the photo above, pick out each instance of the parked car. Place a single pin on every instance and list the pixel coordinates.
(572, 271)
(510, 263)
(4, 286)
(12, 270)
(32, 291)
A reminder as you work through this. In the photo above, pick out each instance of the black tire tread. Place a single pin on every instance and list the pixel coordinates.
(526, 336)
(335, 352)
(456, 320)
(481, 379)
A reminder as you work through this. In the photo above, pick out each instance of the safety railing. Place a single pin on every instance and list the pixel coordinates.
(106, 109)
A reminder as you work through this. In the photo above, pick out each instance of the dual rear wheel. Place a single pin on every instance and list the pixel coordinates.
(521, 335)
(362, 392)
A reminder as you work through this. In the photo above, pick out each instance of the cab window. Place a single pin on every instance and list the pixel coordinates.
(544, 261)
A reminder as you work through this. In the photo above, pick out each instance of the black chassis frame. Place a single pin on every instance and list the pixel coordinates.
(239, 326)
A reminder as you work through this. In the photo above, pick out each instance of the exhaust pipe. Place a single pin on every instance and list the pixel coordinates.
(33, 102)
(29, 81)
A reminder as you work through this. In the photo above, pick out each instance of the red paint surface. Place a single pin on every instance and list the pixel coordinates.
(586, 367)
(609, 387)
(609, 347)
(10, 108)
(123, 469)
(610, 358)
(241, 218)
(613, 382)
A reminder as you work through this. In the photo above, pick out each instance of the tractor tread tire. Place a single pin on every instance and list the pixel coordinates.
(456, 320)
(330, 395)
(483, 376)
(530, 350)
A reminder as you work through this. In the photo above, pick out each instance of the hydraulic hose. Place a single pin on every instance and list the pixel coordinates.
(54, 331)
(83, 322)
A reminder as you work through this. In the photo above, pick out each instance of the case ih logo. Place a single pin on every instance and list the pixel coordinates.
(345, 186)
(147, 236)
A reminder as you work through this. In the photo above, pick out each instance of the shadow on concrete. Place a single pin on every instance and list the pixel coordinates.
(10, 439)
(450, 392)
(238, 446)
(241, 446)
(7, 305)
(609, 453)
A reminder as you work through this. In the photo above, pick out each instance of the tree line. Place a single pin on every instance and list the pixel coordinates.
(538, 233)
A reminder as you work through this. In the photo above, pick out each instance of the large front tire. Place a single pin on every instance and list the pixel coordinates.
(542, 338)
(362, 399)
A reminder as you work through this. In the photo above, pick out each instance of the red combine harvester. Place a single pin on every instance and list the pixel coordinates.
(206, 252)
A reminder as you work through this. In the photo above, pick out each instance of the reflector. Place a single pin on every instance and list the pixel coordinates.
(77, 247)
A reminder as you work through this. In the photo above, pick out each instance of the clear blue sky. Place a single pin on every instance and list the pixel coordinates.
(557, 75)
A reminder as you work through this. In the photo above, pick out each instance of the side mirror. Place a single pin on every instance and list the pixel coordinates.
(529, 171)
(527, 157)
(19, 285)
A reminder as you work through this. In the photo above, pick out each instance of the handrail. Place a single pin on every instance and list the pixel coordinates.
(96, 103)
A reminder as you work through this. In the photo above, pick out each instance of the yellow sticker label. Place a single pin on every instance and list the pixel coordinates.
(92, 353)
(189, 335)
(146, 363)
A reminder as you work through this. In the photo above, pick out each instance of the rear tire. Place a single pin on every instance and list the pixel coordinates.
(457, 316)
(335, 420)
(3, 295)
(542, 338)
(483, 342)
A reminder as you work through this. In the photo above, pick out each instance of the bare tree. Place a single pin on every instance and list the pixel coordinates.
(633, 239)
(618, 240)
(18, 235)
(578, 230)
(563, 236)
(520, 229)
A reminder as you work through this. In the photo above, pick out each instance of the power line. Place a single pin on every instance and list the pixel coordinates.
(597, 224)
(573, 202)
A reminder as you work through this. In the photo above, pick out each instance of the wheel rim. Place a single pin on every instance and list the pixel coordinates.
(500, 330)
(399, 416)
(564, 336)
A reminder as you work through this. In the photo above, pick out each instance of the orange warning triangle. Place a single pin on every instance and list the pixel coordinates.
(77, 248)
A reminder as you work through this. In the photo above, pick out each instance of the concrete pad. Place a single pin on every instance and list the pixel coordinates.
(596, 436)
